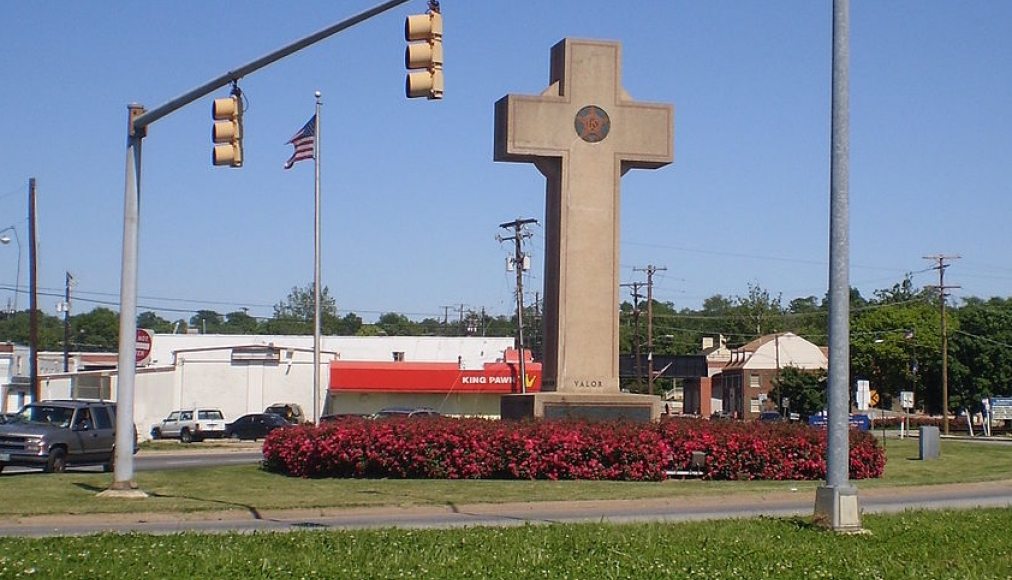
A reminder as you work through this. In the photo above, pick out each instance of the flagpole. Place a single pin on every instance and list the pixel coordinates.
(316, 267)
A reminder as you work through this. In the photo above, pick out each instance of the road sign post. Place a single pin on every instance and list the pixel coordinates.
(907, 402)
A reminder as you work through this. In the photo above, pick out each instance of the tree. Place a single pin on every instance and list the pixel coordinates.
(807, 318)
(900, 292)
(97, 330)
(347, 326)
(980, 352)
(805, 389)
(240, 322)
(153, 322)
(15, 328)
(394, 324)
(759, 312)
(208, 321)
(299, 304)
(895, 345)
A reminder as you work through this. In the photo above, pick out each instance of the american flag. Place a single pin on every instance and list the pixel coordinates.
(304, 142)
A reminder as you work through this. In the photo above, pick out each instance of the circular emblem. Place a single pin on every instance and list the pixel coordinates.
(592, 124)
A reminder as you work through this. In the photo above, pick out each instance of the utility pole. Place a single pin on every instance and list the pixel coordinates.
(65, 307)
(33, 295)
(446, 319)
(650, 270)
(941, 258)
(519, 263)
(537, 344)
(637, 343)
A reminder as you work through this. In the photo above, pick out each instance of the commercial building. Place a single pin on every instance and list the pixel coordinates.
(242, 374)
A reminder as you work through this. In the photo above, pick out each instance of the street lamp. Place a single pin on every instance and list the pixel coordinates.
(4, 239)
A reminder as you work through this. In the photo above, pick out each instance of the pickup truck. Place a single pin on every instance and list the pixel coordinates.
(55, 434)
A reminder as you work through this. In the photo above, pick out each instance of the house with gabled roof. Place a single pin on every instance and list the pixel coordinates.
(745, 382)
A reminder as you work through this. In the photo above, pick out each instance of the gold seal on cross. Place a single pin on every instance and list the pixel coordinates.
(592, 124)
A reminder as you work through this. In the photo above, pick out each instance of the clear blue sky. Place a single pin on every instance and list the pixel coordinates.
(411, 196)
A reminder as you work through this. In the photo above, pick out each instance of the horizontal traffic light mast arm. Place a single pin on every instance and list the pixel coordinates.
(142, 121)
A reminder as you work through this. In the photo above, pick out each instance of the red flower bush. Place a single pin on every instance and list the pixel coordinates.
(446, 448)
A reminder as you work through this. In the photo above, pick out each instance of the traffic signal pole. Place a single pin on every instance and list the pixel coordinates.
(138, 120)
(185, 99)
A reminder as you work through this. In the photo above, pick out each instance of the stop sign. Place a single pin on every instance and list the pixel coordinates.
(144, 337)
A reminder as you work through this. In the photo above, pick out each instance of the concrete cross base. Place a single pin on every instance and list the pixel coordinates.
(836, 508)
(593, 407)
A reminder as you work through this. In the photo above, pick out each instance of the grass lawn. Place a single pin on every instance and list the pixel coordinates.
(249, 488)
(919, 544)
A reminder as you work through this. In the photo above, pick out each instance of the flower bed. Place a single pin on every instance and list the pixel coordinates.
(446, 448)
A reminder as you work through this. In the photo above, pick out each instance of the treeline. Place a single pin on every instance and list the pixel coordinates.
(98, 330)
(895, 334)
(895, 338)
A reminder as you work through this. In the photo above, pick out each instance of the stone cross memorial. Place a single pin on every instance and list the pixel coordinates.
(582, 133)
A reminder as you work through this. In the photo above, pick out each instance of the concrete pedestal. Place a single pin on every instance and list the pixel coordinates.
(594, 407)
(837, 509)
(929, 444)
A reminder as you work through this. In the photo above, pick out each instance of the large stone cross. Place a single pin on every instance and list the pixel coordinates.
(583, 133)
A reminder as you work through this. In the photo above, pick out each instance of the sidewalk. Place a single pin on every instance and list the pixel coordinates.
(685, 508)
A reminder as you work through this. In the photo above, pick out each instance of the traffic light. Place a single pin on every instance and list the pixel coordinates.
(426, 55)
(227, 131)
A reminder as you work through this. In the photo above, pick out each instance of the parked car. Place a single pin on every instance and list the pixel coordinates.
(335, 417)
(405, 412)
(189, 425)
(254, 426)
(770, 417)
(55, 434)
(291, 412)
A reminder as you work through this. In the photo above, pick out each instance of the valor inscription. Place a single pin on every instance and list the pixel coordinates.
(592, 124)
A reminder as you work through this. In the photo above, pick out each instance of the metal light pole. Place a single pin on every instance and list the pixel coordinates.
(316, 262)
(836, 503)
(17, 277)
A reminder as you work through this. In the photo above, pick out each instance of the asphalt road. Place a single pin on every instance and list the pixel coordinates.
(154, 461)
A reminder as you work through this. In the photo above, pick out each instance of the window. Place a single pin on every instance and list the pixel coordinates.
(91, 387)
(398, 356)
(83, 421)
(753, 381)
(186, 416)
(210, 415)
(102, 418)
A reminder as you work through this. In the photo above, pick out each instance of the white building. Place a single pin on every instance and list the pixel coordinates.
(242, 374)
